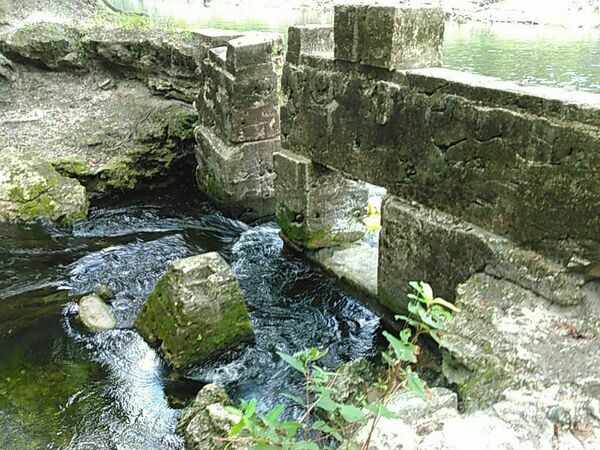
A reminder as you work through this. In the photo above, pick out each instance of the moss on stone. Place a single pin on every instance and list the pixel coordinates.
(189, 330)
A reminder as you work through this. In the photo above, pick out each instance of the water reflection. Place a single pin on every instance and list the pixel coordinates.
(535, 55)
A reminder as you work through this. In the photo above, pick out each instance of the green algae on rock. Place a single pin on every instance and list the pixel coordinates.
(196, 311)
(31, 189)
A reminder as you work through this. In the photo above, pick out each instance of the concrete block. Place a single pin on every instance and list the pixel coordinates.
(308, 39)
(388, 36)
(420, 244)
(317, 207)
(238, 178)
(252, 51)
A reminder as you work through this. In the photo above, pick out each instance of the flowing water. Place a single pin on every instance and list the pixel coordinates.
(61, 387)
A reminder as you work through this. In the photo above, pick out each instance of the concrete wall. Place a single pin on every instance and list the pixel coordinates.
(521, 163)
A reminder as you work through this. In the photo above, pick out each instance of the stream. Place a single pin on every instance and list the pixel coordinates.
(64, 388)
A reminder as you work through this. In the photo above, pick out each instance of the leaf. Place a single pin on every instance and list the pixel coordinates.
(295, 363)
(446, 304)
(404, 352)
(415, 385)
(234, 411)
(351, 413)
(271, 419)
(405, 335)
(426, 292)
(326, 403)
(305, 445)
(237, 427)
(249, 408)
(381, 410)
(295, 398)
(263, 447)
(320, 425)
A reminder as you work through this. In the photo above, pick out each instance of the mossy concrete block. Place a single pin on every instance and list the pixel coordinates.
(238, 93)
(515, 162)
(317, 207)
(308, 39)
(388, 36)
(507, 337)
(250, 52)
(32, 190)
(238, 178)
(196, 311)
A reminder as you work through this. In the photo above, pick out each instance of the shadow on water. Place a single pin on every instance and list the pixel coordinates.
(61, 387)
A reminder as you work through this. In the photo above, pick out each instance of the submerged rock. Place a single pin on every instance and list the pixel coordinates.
(95, 314)
(31, 189)
(104, 292)
(196, 311)
(206, 420)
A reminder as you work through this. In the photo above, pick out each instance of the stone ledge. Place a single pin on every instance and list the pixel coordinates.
(417, 243)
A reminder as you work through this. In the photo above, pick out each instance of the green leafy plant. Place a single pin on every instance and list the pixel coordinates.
(326, 421)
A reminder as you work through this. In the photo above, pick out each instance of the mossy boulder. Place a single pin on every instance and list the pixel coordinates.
(32, 190)
(196, 311)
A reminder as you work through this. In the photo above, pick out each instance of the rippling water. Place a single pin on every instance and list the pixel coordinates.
(61, 387)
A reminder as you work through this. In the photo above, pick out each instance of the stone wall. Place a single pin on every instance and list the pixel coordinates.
(238, 107)
(521, 163)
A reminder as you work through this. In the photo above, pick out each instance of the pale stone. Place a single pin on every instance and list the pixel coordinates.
(95, 314)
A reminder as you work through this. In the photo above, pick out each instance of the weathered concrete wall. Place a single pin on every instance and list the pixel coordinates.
(238, 106)
(484, 175)
(521, 162)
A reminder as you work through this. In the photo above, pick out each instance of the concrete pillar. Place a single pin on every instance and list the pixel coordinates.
(317, 207)
(388, 36)
(239, 130)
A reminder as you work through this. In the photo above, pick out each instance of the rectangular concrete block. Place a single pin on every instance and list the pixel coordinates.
(307, 40)
(317, 207)
(252, 51)
(242, 107)
(390, 37)
(239, 178)
(421, 244)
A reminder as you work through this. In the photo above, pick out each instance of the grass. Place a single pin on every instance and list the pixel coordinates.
(134, 21)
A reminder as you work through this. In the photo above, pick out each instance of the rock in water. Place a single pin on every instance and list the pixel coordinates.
(31, 189)
(196, 311)
(205, 422)
(95, 314)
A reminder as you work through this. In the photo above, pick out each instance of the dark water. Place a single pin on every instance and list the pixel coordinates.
(63, 388)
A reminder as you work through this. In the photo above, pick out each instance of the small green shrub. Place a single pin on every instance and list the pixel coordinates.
(324, 419)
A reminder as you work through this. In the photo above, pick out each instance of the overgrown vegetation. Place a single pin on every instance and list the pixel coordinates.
(135, 21)
(325, 420)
